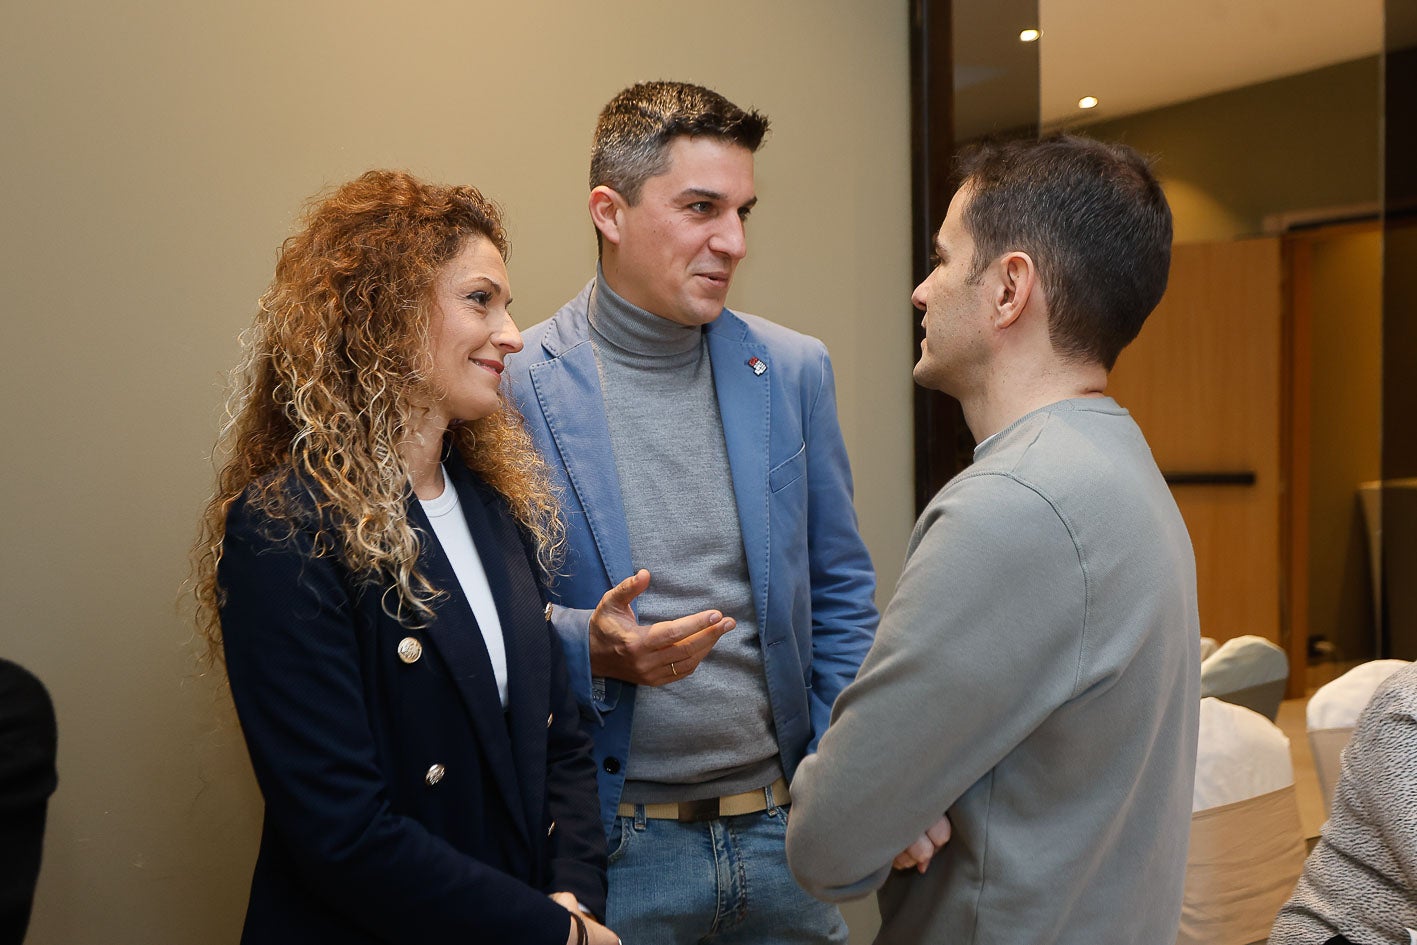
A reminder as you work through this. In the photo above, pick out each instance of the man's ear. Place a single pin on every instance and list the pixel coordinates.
(606, 212)
(1017, 281)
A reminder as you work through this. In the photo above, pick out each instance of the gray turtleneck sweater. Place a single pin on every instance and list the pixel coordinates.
(711, 733)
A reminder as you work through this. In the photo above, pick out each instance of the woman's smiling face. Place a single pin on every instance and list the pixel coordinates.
(470, 333)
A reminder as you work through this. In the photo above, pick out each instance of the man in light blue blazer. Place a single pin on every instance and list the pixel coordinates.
(704, 478)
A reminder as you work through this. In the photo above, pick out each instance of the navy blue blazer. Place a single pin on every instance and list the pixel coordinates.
(402, 805)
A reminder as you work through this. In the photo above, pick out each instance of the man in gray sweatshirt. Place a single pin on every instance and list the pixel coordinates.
(1036, 674)
(705, 484)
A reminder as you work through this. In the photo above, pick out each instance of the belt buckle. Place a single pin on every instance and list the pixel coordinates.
(692, 812)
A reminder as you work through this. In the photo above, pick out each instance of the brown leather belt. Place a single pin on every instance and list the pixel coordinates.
(712, 808)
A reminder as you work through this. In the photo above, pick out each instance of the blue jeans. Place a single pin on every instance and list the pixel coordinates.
(718, 882)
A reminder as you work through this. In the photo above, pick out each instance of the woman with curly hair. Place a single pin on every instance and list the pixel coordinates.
(371, 566)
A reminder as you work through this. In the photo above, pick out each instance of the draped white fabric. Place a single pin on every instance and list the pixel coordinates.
(1240, 754)
(1241, 663)
(1337, 704)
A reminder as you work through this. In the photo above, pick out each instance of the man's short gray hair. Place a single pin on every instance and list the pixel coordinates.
(636, 128)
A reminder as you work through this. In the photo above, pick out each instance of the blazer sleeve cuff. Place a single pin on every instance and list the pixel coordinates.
(595, 694)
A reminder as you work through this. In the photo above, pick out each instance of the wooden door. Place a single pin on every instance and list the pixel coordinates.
(1203, 382)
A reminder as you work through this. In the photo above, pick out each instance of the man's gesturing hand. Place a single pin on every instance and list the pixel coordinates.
(623, 648)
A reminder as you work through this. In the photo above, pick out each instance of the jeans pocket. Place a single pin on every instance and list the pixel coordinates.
(620, 838)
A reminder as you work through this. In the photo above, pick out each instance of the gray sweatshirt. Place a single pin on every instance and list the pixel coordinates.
(1036, 675)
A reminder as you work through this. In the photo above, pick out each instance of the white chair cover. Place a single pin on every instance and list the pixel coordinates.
(1339, 703)
(1333, 711)
(1242, 663)
(1247, 845)
(1249, 671)
(1239, 754)
(1243, 863)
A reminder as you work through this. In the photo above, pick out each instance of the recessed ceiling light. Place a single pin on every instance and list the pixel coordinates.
(1087, 101)
(1029, 36)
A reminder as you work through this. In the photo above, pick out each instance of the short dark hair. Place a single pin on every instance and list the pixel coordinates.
(636, 127)
(1096, 222)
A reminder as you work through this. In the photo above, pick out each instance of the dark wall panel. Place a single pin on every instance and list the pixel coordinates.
(970, 76)
(1400, 332)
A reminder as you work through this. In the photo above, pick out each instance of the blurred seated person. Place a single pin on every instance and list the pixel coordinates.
(1360, 882)
(27, 779)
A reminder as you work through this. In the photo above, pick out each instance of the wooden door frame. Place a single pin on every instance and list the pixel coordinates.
(943, 442)
(1295, 399)
(1295, 439)
(938, 419)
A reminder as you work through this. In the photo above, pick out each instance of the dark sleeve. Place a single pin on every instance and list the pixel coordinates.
(292, 653)
(578, 842)
(27, 779)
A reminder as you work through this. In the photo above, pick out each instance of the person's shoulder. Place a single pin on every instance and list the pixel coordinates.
(22, 695)
(988, 515)
(274, 506)
(1071, 445)
(749, 328)
(1017, 478)
(1397, 695)
(1011, 454)
(531, 340)
(553, 336)
(990, 495)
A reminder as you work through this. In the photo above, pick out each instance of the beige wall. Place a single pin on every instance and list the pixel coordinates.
(155, 155)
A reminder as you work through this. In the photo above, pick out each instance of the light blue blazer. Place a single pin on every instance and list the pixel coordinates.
(812, 581)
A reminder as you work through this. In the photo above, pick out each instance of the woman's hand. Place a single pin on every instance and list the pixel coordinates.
(596, 933)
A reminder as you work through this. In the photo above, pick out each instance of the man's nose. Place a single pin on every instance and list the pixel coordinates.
(917, 298)
(731, 239)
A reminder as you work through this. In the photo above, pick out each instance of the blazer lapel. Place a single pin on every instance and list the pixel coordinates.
(458, 637)
(568, 393)
(745, 406)
(524, 633)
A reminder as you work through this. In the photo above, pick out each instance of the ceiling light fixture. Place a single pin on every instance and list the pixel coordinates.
(1087, 101)
(1029, 36)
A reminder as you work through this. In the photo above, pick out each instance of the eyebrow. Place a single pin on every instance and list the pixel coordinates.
(710, 195)
(497, 287)
(477, 276)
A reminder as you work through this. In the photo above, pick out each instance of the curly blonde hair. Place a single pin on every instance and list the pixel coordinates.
(334, 370)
